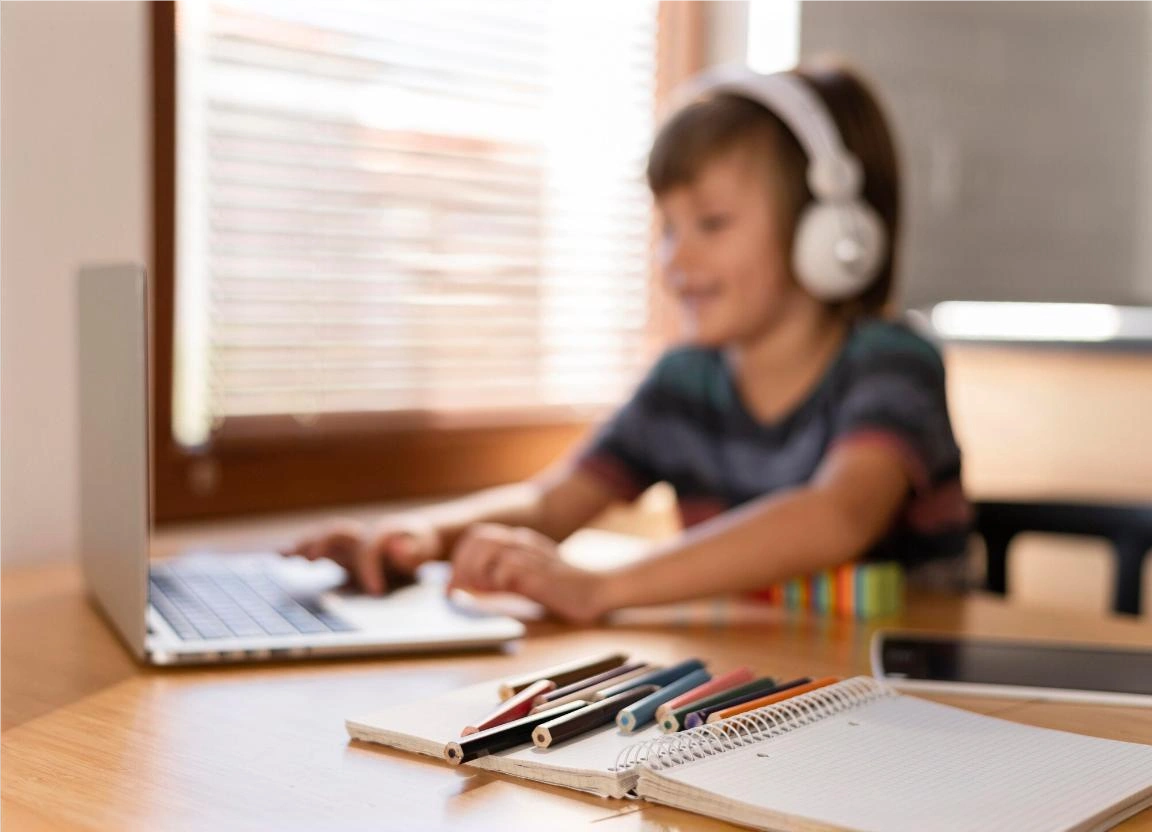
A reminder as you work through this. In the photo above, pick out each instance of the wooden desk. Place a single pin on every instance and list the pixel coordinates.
(90, 740)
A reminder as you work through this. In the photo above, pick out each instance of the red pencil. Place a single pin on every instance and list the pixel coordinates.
(720, 683)
(513, 708)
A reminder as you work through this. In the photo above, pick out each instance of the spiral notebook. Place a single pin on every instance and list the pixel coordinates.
(859, 756)
(856, 755)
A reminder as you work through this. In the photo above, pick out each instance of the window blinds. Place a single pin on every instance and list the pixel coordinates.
(409, 206)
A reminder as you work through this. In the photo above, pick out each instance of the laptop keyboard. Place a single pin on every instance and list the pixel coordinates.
(217, 602)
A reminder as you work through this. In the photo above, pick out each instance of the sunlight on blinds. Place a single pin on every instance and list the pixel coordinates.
(773, 35)
(409, 206)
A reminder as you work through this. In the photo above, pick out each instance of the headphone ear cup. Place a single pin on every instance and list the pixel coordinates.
(838, 249)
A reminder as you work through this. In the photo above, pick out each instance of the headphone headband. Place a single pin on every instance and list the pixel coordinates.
(834, 173)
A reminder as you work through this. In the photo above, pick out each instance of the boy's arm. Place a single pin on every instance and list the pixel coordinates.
(556, 503)
(616, 464)
(852, 500)
(553, 505)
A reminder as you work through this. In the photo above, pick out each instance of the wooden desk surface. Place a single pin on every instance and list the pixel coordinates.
(91, 740)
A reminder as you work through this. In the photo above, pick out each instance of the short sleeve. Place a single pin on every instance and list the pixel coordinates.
(894, 394)
(620, 453)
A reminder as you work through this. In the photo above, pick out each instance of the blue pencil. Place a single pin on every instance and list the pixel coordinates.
(664, 676)
(641, 713)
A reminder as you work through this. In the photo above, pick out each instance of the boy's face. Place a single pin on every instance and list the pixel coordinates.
(723, 255)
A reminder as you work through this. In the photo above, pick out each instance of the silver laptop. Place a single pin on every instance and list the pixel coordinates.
(203, 608)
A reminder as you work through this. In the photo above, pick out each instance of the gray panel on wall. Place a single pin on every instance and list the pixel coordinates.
(1025, 136)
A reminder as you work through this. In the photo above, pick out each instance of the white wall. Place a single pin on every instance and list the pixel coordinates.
(74, 165)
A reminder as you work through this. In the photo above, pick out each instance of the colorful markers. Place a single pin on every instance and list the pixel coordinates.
(853, 590)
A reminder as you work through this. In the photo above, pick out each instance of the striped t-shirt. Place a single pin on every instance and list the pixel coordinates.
(686, 425)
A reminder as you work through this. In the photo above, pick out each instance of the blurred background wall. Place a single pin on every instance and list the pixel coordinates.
(75, 171)
(1026, 136)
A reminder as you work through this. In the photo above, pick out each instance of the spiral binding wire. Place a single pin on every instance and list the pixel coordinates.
(762, 723)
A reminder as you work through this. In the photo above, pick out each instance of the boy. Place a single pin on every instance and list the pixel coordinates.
(798, 428)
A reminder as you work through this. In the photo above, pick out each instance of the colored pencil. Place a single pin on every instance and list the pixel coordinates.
(508, 735)
(566, 727)
(719, 683)
(641, 713)
(606, 677)
(563, 674)
(658, 677)
(516, 707)
(772, 699)
(674, 721)
(697, 718)
(589, 693)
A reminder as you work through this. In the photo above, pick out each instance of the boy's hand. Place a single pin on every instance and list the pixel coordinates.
(494, 558)
(378, 558)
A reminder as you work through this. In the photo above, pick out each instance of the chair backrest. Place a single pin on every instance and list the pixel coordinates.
(1127, 527)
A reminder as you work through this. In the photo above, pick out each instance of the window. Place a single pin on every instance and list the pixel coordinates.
(408, 237)
(773, 43)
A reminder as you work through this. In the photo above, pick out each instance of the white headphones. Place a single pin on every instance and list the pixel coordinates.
(840, 240)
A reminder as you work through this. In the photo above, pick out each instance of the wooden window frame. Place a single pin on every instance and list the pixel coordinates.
(274, 463)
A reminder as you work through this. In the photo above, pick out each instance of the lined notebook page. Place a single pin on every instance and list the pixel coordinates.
(424, 726)
(902, 763)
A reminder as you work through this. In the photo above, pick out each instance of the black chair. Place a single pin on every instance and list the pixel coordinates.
(1127, 527)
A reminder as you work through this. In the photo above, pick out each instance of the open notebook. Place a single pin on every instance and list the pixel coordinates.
(586, 764)
(855, 756)
(859, 756)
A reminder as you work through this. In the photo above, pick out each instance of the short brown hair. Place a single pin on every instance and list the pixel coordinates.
(716, 126)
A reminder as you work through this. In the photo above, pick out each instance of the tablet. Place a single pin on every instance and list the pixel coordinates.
(1016, 669)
